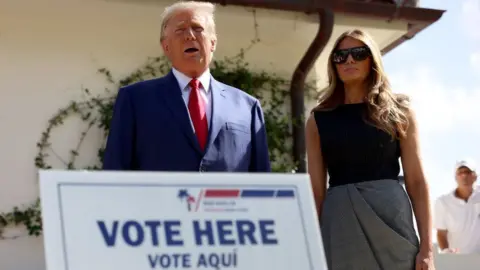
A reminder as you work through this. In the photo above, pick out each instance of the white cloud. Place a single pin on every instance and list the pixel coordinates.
(447, 116)
(475, 61)
(439, 108)
(470, 18)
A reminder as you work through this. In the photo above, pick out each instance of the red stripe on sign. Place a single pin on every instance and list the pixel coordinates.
(199, 200)
(222, 193)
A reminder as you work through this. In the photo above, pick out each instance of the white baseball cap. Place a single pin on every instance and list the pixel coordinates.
(468, 163)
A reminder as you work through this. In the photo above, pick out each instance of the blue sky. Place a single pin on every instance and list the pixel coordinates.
(440, 70)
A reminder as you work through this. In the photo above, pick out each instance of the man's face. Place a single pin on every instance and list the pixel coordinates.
(465, 177)
(189, 42)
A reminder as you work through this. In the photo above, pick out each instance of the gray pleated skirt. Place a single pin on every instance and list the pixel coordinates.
(369, 226)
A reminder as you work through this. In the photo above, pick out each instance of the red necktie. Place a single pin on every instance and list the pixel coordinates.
(196, 107)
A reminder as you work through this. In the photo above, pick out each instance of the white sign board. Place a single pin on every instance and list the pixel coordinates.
(138, 220)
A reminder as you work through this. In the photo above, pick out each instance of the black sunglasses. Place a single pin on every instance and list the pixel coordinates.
(358, 54)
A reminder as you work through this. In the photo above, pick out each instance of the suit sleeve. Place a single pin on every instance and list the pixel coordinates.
(119, 149)
(260, 160)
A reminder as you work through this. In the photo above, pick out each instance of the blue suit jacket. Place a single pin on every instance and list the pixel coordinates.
(151, 131)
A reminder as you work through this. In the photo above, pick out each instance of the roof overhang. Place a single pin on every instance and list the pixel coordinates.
(416, 18)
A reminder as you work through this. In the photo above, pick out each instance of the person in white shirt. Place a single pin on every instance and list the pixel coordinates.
(457, 213)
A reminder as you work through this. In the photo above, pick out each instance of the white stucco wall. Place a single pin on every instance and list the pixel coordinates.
(49, 49)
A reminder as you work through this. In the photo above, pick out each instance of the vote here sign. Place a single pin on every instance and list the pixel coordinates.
(139, 220)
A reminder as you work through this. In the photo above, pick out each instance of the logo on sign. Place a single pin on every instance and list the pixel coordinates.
(184, 196)
(228, 200)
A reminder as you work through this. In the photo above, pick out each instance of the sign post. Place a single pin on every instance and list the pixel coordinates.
(101, 220)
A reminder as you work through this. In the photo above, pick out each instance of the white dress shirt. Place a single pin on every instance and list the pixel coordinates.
(184, 81)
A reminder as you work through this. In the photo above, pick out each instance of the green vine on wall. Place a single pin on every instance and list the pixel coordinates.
(29, 216)
(96, 111)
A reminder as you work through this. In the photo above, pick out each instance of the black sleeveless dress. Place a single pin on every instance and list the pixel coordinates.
(367, 220)
(353, 150)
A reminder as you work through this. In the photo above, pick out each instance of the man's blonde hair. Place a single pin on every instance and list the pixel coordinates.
(208, 9)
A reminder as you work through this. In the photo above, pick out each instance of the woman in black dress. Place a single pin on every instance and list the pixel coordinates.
(357, 133)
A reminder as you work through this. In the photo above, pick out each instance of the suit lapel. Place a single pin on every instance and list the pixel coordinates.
(172, 97)
(219, 108)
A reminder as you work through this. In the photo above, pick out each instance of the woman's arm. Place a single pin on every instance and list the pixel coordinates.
(316, 167)
(416, 185)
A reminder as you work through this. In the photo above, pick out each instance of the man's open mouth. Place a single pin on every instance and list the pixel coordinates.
(191, 50)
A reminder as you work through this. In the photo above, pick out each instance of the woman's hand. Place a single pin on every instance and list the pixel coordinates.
(424, 260)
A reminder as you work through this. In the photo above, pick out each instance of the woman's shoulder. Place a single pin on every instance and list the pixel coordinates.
(323, 108)
(319, 115)
(322, 114)
(311, 126)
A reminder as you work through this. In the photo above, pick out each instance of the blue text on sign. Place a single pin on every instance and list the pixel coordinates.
(206, 232)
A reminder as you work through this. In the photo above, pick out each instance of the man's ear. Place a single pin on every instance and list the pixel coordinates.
(214, 44)
(164, 45)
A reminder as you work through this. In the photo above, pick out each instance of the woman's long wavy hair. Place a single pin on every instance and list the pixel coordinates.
(386, 110)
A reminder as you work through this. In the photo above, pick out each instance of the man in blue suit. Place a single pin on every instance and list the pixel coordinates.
(187, 121)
